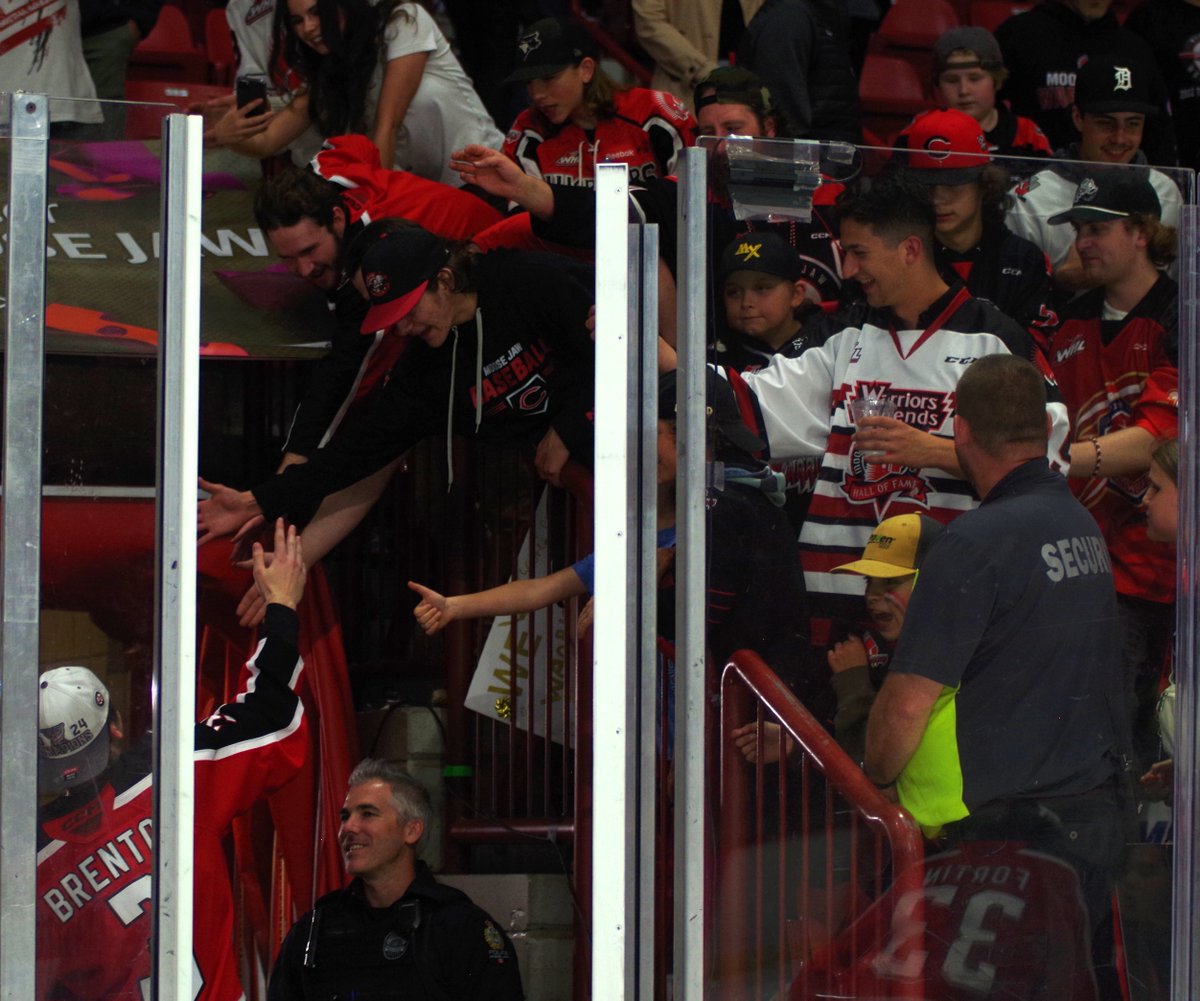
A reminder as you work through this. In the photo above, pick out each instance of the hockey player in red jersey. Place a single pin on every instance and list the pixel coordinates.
(990, 921)
(95, 842)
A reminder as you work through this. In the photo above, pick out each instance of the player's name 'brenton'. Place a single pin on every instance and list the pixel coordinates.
(96, 873)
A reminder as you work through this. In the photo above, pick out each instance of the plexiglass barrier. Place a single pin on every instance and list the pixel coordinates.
(810, 884)
(849, 290)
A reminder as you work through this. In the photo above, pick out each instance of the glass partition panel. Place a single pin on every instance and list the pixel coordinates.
(850, 288)
(102, 301)
(103, 295)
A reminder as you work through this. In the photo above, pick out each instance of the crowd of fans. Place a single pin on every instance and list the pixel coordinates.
(1020, 217)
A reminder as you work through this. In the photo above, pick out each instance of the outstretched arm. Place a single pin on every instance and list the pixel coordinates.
(436, 611)
(226, 512)
(251, 131)
(498, 175)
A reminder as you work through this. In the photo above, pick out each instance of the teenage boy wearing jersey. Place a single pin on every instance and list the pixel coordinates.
(95, 841)
(1115, 356)
(912, 338)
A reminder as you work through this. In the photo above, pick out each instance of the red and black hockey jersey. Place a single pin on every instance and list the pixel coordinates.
(1116, 374)
(95, 860)
(990, 922)
(647, 132)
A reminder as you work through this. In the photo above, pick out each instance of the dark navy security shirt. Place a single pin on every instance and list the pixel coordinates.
(1016, 604)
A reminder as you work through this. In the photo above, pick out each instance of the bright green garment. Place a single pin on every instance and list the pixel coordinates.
(930, 787)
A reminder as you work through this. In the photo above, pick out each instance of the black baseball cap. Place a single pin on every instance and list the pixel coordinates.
(1113, 194)
(1110, 82)
(734, 85)
(549, 47)
(396, 270)
(766, 252)
(722, 408)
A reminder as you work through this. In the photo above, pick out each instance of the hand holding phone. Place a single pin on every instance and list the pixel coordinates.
(252, 90)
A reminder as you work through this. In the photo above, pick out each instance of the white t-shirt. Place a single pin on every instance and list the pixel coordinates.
(445, 113)
(50, 61)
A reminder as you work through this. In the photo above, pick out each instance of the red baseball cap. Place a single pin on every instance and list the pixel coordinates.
(396, 270)
(944, 147)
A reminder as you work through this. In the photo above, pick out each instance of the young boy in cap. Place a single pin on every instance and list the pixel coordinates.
(968, 70)
(763, 284)
(890, 563)
(1112, 102)
(972, 245)
(759, 277)
(1115, 357)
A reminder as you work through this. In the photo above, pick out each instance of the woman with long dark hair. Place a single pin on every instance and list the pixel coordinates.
(384, 70)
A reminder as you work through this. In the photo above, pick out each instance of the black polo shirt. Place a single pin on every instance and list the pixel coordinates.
(1016, 608)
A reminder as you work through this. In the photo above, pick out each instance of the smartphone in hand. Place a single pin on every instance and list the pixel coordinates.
(252, 90)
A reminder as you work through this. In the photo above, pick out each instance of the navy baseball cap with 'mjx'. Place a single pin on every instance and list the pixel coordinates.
(396, 270)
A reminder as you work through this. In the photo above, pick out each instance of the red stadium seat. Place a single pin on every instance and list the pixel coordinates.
(145, 121)
(168, 52)
(916, 24)
(991, 14)
(890, 85)
(218, 45)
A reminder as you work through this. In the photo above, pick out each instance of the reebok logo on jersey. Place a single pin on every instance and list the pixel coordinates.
(259, 10)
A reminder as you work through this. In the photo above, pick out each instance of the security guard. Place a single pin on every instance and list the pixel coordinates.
(394, 933)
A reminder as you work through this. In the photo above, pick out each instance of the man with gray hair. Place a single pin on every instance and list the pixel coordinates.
(394, 932)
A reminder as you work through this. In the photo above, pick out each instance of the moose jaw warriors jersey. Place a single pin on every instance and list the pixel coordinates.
(1116, 374)
(991, 922)
(802, 407)
(647, 132)
(95, 862)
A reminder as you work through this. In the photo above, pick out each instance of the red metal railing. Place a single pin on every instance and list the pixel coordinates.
(803, 848)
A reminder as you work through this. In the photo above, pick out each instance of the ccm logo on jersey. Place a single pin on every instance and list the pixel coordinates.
(954, 360)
